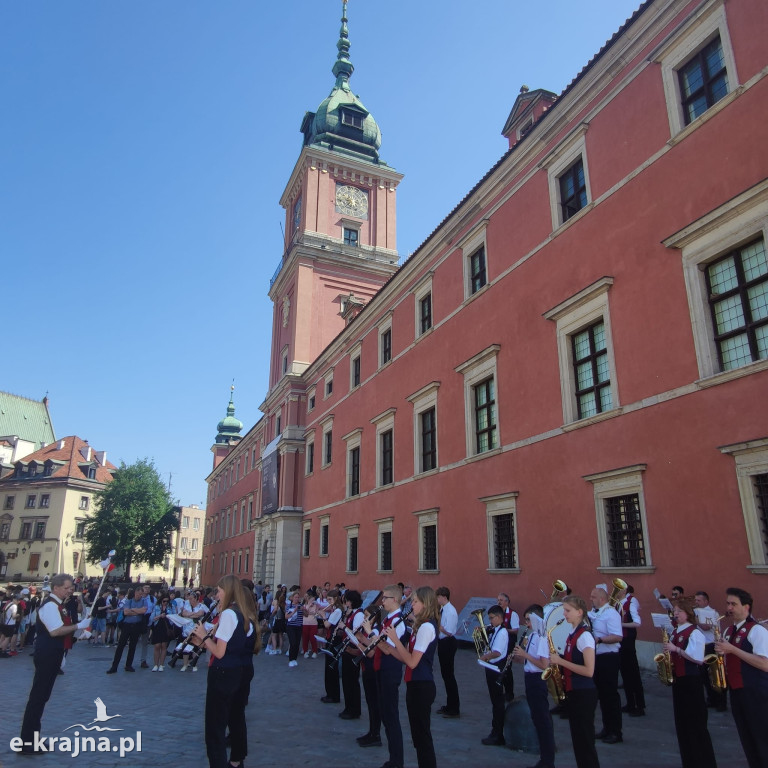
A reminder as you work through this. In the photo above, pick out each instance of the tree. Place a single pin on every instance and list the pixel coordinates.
(134, 516)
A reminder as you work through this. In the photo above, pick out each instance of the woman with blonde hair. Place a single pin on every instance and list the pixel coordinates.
(232, 645)
(419, 680)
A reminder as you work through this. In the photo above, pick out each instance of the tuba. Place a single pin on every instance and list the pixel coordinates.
(664, 662)
(479, 634)
(553, 675)
(618, 586)
(715, 662)
(557, 587)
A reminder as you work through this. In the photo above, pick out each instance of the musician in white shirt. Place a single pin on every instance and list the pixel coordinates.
(498, 639)
(446, 652)
(606, 627)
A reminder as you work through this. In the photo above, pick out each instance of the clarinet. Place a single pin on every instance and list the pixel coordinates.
(508, 663)
(197, 651)
(404, 613)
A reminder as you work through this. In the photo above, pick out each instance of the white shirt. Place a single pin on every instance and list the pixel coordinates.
(704, 616)
(49, 614)
(586, 640)
(9, 617)
(634, 610)
(758, 638)
(538, 647)
(605, 621)
(695, 647)
(449, 620)
(335, 617)
(399, 628)
(499, 642)
(424, 637)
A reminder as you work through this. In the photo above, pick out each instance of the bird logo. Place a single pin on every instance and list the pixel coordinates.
(101, 717)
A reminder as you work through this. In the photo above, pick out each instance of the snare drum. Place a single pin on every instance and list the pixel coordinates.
(553, 612)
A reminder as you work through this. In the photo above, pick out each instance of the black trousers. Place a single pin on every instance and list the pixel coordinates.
(630, 672)
(750, 711)
(220, 699)
(129, 634)
(332, 686)
(350, 682)
(690, 710)
(389, 687)
(496, 693)
(537, 696)
(446, 655)
(581, 720)
(47, 664)
(607, 683)
(419, 697)
(371, 691)
(294, 641)
(238, 730)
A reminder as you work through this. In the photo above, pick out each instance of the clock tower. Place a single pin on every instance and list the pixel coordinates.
(340, 214)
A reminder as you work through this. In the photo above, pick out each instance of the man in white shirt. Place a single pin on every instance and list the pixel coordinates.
(512, 625)
(446, 652)
(54, 636)
(707, 618)
(606, 627)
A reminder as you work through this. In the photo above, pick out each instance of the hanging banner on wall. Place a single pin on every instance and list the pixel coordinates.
(269, 478)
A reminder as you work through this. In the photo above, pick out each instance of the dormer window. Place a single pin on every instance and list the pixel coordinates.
(351, 237)
(352, 119)
(91, 473)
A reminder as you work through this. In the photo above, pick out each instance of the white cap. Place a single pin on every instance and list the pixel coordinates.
(601, 586)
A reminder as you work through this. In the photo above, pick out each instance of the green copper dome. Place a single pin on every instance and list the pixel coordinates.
(341, 123)
(229, 427)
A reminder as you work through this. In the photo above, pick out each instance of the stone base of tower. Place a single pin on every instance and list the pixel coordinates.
(277, 552)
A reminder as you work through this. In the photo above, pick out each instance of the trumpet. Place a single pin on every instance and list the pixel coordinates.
(715, 662)
(503, 671)
(618, 586)
(664, 662)
(553, 675)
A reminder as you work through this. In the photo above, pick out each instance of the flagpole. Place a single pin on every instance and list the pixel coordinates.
(105, 564)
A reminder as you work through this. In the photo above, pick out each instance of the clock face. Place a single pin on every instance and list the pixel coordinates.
(351, 201)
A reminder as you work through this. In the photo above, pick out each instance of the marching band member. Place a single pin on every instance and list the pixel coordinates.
(350, 672)
(706, 618)
(535, 656)
(606, 627)
(630, 669)
(497, 653)
(446, 652)
(686, 647)
(745, 647)
(419, 680)
(512, 625)
(370, 627)
(578, 666)
(332, 623)
(235, 636)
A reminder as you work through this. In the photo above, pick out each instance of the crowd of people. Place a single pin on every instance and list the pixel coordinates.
(396, 638)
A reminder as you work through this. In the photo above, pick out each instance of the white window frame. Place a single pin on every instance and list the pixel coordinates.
(500, 504)
(306, 545)
(674, 54)
(327, 379)
(353, 532)
(557, 163)
(384, 326)
(309, 439)
(353, 440)
(325, 520)
(571, 317)
(619, 482)
(735, 223)
(427, 517)
(326, 426)
(474, 240)
(750, 459)
(284, 369)
(384, 422)
(352, 226)
(384, 525)
(422, 400)
(310, 394)
(475, 370)
(356, 353)
(423, 289)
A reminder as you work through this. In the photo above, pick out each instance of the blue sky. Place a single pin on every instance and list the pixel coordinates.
(144, 146)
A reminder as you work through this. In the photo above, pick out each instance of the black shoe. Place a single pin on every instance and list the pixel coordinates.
(612, 738)
(370, 741)
(636, 713)
(144, 665)
(329, 700)
(602, 734)
(60, 672)
(364, 737)
(130, 669)
(442, 711)
(348, 716)
(451, 714)
(627, 709)
(724, 708)
(111, 671)
(493, 741)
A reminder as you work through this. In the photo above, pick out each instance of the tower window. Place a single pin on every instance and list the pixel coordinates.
(351, 237)
(352, 119)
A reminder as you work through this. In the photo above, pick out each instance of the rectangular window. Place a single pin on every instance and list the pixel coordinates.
(623, 517)
(354, 472)
(352, 554)
(477, 274)
(429, 548)
(311, 403)
(247, 560)
(196, 524)
(85, 502)
(356, 372)
(9, 500)
(185, 521)
(30, 502)
(428, 440)
(386, 551)
(80, 530)
(386, 346)
(305, 550)
(504, 541)
(573, 190)
(183, 543)
(329, 387)
(737, 285)
(285, 364)
(328, 447)
(40, 530)
(703, 80)
(485, 416)
(591, 371)
(45, 501)
(425, 313)
(324, 539)
(5, 531)
(386, 457)
(761, 498)
(351, 237)
(26, 530)
(34, 561)
(310, 458)
(194, 544)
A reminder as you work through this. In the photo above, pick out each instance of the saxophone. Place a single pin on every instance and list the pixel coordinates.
(664, 662)
(715, 662)
(552, 675)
